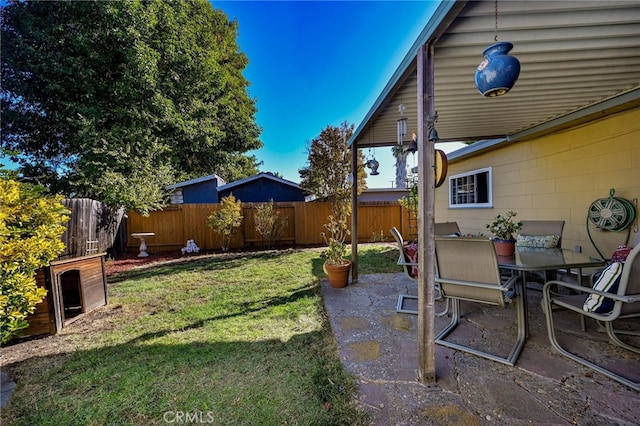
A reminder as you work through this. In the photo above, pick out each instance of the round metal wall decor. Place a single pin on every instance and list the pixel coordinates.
(441, 166)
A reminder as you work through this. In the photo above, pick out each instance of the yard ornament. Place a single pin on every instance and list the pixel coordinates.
(191, 247)
(499, 71)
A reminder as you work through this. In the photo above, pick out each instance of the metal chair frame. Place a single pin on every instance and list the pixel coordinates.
(452, 264)
(626, 305)
(406, 264)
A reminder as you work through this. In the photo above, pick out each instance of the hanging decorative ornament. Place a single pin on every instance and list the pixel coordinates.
(499, 71)
(431, 126)
(373, 164)
(413, 145)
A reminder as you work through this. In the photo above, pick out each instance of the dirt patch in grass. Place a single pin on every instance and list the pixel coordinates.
(130, 261)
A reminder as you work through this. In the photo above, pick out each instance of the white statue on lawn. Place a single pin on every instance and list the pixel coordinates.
(191, 247)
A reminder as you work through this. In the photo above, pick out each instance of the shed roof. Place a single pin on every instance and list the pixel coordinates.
(197, 180)
(261, 175)
(579, 60)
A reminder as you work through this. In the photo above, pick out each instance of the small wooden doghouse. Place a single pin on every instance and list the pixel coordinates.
(74, 286)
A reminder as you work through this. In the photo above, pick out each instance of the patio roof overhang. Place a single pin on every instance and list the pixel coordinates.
(579, 60)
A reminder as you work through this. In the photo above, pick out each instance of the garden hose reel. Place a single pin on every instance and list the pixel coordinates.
(613, 214)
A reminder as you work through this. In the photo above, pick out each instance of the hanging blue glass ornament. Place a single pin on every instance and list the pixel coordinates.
(499, 71)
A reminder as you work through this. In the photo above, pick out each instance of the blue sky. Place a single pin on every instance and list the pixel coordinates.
(313, 64)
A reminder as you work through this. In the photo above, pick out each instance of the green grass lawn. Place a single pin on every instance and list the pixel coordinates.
(226, 339)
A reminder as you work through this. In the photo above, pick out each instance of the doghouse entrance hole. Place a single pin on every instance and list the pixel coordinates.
(71, 296)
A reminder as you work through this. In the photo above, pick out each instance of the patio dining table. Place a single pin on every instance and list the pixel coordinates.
(531, 259)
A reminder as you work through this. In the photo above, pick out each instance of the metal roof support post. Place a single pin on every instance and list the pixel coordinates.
(426, 209)
(354, 214)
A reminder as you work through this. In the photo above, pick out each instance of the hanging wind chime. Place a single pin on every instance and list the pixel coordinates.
(401, 125)
(432, 135)
(499, 71)
(402, 130)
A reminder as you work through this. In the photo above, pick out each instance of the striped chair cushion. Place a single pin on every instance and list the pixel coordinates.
(608, 280)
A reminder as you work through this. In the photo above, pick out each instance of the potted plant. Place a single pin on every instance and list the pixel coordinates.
(503, 228)
(336, 266)
(330, 177)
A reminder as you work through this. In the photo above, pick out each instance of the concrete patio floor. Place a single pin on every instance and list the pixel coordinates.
(380, 347)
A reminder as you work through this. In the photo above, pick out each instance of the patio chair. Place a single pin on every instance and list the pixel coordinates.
(468, 270)
(540, 233)
(626, 304)
(579, 277)
(411, 267)
(444, 229)
(543, 228)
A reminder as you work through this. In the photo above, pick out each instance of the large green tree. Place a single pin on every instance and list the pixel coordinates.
(114, 100)
(328, 177)
(329, 165)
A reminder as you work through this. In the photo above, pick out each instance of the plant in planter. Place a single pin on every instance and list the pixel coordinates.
(336, 248)
(336, 266)
(503, 228)
(329, 177)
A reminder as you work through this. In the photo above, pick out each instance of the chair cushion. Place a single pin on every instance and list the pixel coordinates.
(621, 254)
(411, 252)
(541, 241)
(607, 280)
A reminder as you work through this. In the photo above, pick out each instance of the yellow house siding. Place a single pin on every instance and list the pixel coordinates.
(558, 176)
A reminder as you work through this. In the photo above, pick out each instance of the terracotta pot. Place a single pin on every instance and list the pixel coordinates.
(338, 274)
(505, 247)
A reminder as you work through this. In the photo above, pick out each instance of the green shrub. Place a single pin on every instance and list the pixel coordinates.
(378, 237)
(269, 224)
(31, 225)
(410, 201)
(225, 220)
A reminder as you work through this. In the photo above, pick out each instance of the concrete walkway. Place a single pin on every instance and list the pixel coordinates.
(379, 346)
(6, 388)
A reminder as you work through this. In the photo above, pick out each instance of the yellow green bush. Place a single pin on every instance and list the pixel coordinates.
(31, 225)
(226, 219)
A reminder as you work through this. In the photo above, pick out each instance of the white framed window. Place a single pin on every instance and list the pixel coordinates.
(471, 189)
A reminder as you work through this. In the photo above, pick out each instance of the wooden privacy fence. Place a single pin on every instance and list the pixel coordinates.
(92, 227)
(176, 224)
